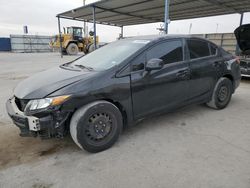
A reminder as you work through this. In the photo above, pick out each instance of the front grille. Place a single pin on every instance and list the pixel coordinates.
(21, 103)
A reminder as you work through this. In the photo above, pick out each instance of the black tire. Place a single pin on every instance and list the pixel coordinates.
(222, 94)
(91, 48)
(72, 49)
(96, 126)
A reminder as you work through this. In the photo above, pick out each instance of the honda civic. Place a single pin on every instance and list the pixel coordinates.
(94, 97)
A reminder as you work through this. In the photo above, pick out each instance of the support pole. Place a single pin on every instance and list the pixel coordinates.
(121, 31)
(94, 24)
(60, 36)
(241, 22)
(85, 24)
(166, 16)
(241, 18)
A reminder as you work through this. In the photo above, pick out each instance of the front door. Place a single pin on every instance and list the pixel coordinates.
(164, 89)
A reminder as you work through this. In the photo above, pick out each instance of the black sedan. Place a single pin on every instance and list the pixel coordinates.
(97, 95)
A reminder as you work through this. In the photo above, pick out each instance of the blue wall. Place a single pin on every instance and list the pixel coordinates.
(5, 44)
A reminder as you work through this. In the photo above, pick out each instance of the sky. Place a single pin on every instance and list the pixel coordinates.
(40, 17)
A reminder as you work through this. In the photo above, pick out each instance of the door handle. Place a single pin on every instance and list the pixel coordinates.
(183, 74)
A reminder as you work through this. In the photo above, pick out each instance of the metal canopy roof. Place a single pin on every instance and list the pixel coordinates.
(133, 12)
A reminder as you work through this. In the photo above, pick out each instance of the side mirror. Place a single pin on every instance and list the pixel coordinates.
(154, 64)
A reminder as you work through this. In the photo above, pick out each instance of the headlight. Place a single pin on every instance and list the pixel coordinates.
(44, 103)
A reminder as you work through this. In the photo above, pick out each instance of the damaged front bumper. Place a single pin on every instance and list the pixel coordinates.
(245, 67)
(45, 126)
(245, 72)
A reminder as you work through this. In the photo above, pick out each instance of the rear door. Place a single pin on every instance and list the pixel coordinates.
(205, 65)
(164, 89)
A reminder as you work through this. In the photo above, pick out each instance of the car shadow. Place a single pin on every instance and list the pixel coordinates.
(16, 150)
(176, 118)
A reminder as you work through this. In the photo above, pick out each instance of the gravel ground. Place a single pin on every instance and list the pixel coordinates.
(193, 147)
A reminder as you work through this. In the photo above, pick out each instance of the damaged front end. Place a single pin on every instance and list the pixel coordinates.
(43, 117)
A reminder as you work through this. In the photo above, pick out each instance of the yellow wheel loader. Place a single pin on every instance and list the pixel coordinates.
(74, 42)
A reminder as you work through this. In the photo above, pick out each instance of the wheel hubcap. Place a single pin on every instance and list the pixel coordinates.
(223, 93)
(73, 49)
(100, 125)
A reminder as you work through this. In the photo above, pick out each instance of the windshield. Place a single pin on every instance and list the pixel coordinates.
(110, 55)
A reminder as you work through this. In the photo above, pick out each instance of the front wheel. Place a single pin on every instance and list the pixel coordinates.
(72, 49)
(222, 94)
(96, 126)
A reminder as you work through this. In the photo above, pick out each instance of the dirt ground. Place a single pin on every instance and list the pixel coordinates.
(193, 147)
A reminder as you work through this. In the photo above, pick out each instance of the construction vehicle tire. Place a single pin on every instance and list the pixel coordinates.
(72, 49)
(91, 48)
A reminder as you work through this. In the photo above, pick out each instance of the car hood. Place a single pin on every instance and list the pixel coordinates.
(242, 35)
(44, 83)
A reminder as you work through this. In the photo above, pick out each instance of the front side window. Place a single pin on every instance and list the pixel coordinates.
(198, 48)
(169, 51)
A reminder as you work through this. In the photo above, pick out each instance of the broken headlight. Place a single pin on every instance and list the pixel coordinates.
(39, 104)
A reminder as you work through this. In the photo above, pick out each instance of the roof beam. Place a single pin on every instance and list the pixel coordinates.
(127, 14)
(124, 6)
(90, 21)
(222, 5)
(182, 11)
(128, 19)
(158, 7)
(145, 9)
(138, 3)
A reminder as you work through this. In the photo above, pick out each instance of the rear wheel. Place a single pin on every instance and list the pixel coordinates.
(72, 49)
(91, 48)
(96, 127)
(222, 94)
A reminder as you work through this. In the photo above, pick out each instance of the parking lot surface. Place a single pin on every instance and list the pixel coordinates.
(192, 147)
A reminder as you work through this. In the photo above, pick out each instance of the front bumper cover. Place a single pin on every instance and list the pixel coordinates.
(245, 71)
(25, 123)
(47, 126)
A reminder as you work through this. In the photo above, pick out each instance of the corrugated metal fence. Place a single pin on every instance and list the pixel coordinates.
(35, 43)
(225, 40)
(30, 43)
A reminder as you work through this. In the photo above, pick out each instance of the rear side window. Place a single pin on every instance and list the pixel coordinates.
(169, 51)
(198, 48)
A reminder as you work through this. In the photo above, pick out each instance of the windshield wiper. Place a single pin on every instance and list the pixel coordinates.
(66, 65)
(85, 67)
